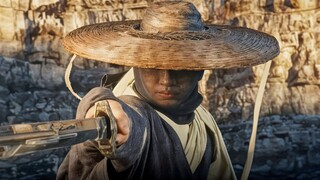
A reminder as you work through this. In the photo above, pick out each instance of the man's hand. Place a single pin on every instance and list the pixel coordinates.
(122, 120)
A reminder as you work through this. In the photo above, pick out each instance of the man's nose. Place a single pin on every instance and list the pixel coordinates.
(166, 77)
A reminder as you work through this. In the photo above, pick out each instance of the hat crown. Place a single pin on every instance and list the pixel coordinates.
(171, 16)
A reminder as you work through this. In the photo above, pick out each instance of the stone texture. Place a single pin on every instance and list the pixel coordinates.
(7, 24)
(24, 5)
(5, 3)
(294, 73)
(32, 64)
(287, 146)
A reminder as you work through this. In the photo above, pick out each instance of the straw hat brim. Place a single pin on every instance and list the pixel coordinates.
(218, 46)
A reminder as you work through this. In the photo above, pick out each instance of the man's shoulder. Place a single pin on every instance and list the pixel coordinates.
(203, 111)
(207, 118)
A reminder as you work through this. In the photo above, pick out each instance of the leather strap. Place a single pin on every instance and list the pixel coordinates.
(257, 106)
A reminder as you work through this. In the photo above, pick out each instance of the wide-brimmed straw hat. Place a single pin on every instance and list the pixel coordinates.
(172, 35)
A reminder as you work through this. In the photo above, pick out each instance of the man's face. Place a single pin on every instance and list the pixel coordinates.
(168, 88)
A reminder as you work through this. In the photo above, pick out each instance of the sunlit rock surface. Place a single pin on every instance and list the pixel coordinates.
(33, 62)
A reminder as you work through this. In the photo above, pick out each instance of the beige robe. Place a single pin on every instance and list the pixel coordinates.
(192, 136)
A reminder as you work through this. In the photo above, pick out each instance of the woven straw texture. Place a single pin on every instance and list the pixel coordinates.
(217, 46)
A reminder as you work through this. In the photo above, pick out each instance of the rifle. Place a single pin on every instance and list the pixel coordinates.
(21, 139)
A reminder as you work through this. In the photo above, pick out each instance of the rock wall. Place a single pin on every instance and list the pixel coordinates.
(294, 82)
(32, 65)
(288, 136)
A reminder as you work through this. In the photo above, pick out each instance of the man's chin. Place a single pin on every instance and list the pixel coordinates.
(168, 104)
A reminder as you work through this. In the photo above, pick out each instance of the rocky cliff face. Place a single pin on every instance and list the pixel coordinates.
(32, 65)
(293, 84)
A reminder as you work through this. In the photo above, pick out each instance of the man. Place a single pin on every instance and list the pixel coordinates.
(163, 131)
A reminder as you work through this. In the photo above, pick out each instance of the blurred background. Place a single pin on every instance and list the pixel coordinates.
(33, 63)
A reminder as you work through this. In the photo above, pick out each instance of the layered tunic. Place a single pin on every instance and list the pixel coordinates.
(157, 148)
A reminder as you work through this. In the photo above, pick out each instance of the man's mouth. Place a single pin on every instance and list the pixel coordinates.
(166, 94)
